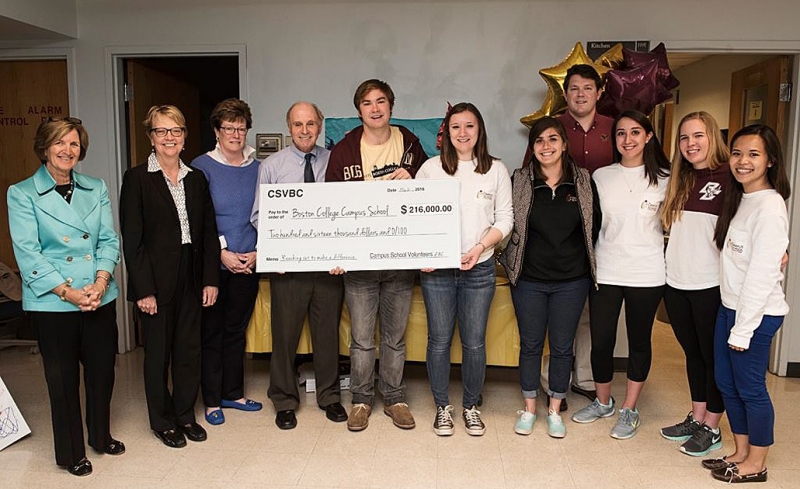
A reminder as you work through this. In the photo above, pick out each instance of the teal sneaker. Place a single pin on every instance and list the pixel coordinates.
(627, 424)
(594, 411)
(524, 425)
(555, 426)
(703, 441)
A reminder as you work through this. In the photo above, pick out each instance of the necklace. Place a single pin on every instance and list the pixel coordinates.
(66, 193)
(627, 182)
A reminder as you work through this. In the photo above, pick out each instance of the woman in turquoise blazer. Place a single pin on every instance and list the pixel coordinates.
(66, 249)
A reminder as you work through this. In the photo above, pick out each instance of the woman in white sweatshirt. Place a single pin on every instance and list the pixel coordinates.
(752, 232)
(465, 294)
(697, 186)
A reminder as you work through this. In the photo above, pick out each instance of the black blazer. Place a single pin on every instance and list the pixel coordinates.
(151, 234)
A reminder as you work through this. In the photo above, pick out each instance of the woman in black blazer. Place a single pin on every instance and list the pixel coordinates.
(171, 252)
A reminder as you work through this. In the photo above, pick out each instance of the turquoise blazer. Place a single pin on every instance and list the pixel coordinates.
(56, 242)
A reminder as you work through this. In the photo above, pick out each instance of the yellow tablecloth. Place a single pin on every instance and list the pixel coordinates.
(502, 335)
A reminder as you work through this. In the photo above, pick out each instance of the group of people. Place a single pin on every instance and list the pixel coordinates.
(583, 219)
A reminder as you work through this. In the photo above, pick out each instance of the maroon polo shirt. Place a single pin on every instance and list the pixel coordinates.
(590, 149)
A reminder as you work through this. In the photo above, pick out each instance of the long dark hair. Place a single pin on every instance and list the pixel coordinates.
(449, 156)
(540, 126)
(656, 163)
(776, 176)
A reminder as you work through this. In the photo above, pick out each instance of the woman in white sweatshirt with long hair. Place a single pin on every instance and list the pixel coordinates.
(752, 232)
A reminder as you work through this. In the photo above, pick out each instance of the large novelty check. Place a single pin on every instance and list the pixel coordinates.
(378, 225)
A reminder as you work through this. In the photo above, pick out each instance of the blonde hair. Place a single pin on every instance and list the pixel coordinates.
(682, 174)
(167, 111)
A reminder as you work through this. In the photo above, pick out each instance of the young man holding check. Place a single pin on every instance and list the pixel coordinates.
(377, 150)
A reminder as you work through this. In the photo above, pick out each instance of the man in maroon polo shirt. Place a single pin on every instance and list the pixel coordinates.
(591, 146)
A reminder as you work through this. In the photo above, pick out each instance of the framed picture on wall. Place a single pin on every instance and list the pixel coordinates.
(287, 141)
(268, 144)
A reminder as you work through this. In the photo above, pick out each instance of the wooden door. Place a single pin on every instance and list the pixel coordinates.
(760, 94)
(30, 91)
(149, 86)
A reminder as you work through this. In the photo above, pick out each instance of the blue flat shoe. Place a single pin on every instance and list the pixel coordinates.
(247, 405)
(215, 417)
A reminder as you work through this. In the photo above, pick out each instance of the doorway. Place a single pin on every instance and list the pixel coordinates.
(194, 84)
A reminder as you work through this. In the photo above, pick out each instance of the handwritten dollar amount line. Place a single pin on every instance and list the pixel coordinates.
(359, 232)
(426, 209)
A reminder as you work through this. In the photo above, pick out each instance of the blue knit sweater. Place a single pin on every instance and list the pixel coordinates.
(233, 190)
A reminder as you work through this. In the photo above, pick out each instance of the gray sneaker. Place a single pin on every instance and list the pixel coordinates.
(681, 431)
(593, 412)
(627, 423)
(703, 441)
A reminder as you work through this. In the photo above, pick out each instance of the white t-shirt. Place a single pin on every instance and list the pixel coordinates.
(485, 200)
(630, 248)
(750, 265)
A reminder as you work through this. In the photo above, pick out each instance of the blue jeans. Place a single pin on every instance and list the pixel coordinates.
(552, 309)
(367, 294)
(451, 294)
(741, 377)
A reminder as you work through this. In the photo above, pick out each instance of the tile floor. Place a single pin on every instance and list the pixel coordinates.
(249, 451)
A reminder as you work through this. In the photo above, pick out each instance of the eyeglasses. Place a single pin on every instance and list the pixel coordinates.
(230, 130)
(162, 131)
(71, 120)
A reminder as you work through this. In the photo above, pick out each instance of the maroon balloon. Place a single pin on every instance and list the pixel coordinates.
(634, 89)
(634, 59)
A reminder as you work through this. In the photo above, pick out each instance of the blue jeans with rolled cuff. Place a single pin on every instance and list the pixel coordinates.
(458, 296)
(550, 309)
(741, 377)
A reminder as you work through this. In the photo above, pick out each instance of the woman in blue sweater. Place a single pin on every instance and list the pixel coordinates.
(230, 167)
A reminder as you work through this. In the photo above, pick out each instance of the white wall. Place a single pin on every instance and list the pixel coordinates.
(55, 15)
(485, 52)
(706, 85)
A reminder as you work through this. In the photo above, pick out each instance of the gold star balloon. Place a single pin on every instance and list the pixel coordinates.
(545, 110)
(613, 58)
(554, 76)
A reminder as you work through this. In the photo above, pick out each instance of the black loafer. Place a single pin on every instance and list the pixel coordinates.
(114, 447)
(561, 408)
(171, 438)
(335, 412)
(286, 420)
(591, 395)
(193, 431)
(82, 468)
(716, 463)
(730, 474)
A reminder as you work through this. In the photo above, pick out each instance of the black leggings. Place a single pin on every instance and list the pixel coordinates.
(605, 303)
(693, 315)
